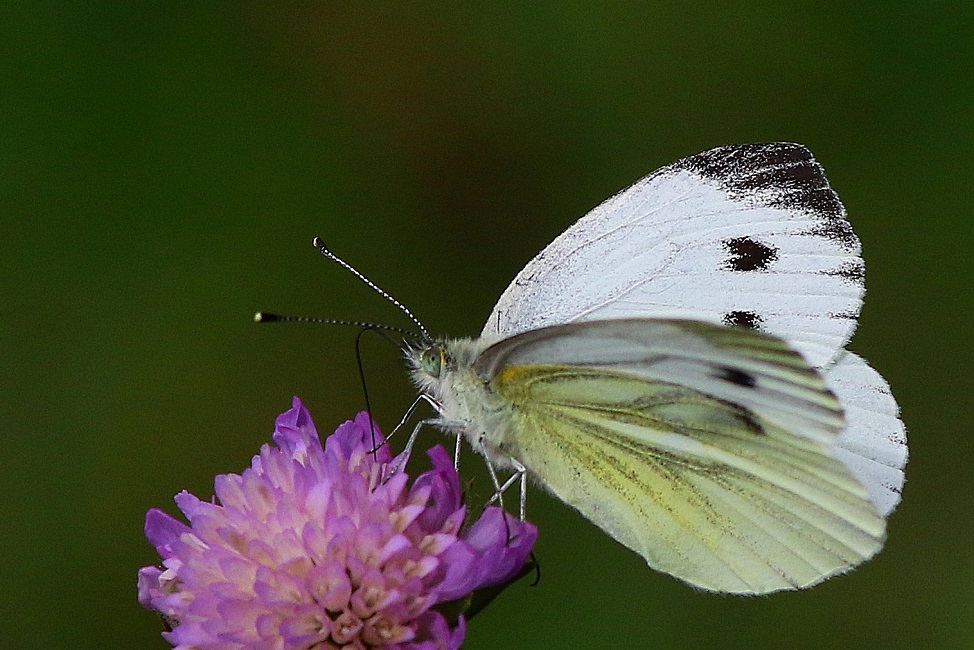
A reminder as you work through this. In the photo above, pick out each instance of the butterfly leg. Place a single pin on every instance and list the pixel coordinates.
(406, 416)
(412, 408)
(520, 474)
(498, 489)
(456, 453)
(408, 449)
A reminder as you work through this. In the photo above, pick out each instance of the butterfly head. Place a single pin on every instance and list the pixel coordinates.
(430, 361)
(437, 365)
(434, 360)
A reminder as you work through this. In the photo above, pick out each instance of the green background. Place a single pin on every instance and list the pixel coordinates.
(164, 166)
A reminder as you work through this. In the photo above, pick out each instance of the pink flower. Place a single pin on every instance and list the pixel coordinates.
(327, 548)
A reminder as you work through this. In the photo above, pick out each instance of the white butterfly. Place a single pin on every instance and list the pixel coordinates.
(673, 366)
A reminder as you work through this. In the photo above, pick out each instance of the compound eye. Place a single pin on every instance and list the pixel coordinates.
(431, 361)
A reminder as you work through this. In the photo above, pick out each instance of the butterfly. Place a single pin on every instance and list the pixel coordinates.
(673, 366)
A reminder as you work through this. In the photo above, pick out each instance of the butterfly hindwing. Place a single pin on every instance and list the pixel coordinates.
(726, 493)
(746, 235)
(873, 441)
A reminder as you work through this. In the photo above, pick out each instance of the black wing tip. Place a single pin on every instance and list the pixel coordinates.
(781, 175)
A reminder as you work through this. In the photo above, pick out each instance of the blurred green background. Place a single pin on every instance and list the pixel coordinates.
(164, 166)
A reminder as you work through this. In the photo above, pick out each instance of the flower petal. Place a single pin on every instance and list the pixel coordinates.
(326, 544)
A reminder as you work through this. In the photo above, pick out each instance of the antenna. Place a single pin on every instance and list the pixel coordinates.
(324, 250)
(269, 317)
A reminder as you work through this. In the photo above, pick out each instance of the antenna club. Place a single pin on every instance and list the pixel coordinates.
(320, 245)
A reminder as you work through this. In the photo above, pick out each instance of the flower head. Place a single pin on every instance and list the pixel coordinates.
(328, 547)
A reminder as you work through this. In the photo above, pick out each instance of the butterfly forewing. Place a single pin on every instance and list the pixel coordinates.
(747, 368)
(707, 450)
(746, 235)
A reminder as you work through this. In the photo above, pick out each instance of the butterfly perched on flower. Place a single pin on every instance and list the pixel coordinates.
(674, 367)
